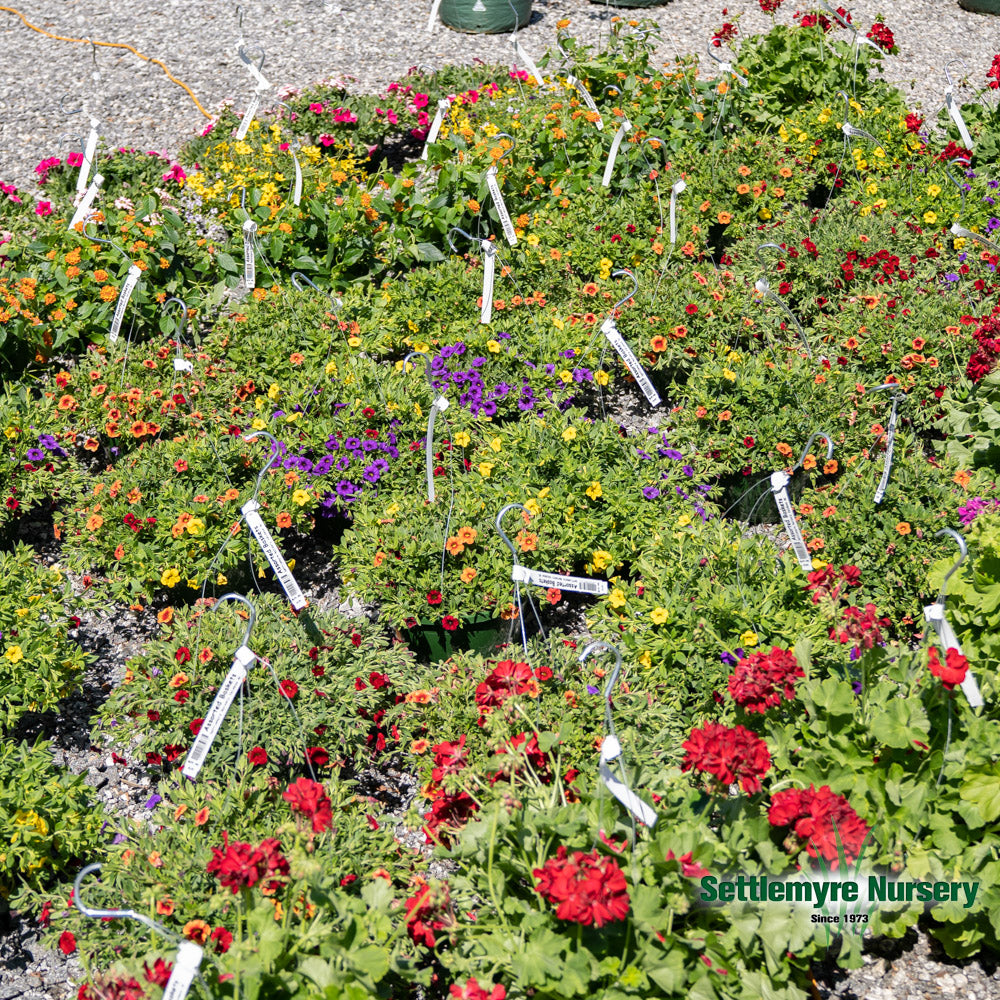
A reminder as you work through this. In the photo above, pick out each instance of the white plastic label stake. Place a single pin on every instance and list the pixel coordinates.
(185, 969)
(890, 443)
(495, 194)
(489, 276)
(587, 99)
(727, 67)
(262, 83)
(242, 659)
(297, 191)
(679, 187)
(131, 280)
(934, 614)
(249, 258)
(183, 365)
(443, 105)
(432, 19)
(956, 116)
(625, 126)
(610, 750)
(88, 158)
(248, 116)
(610, 330)
(83, 209)
(779, 487)
(273, 555)
(529, 63)
(576, 584)
(439, 405)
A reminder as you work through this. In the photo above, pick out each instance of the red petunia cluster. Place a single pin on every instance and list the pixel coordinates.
(954, 668)
(588, 888)
(505, 680)
(309, 799)
(533, 755)
(769, 6)
(882, 36)
(819, 818)
(111, 989)
(993, 73)
(984, 358)
(828, 582)
(914, 123)
(728, 754)
(427, 911)
(238, 864)
(863, 628)
(763, 680)
(473, 991)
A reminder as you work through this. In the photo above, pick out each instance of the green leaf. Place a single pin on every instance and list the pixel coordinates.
(227, 262)
(983, 792)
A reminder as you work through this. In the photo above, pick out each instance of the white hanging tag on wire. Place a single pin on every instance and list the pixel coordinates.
(611, 750)
(249, 257)
(254, 71)
(183, 365)
(248, 116)
(576, 584)
(934, 614)
(297, 190)
(678, 188)
(243, 658)
(727, 67)
(587, 99)
(185, 968)
(131, 280)
(615, 339)
(497, 196)
(489, 277)
(779, 487)
(83, 209)
(625, 126)
(956, 116)
(432, 20)
(443, 105)
(88, 158)
(439, 405)
(890, 443)
(272, 553)
(529, 63)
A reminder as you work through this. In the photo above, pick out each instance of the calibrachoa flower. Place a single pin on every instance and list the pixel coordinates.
(238, 864)
(308, 798)
(952, 671)
(473, 991)
(819, 818)
(728, 754)
(587, 888)
(762, 680)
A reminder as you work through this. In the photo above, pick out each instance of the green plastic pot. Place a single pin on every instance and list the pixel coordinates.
(981, 6)
(432, 642)
(485, 17)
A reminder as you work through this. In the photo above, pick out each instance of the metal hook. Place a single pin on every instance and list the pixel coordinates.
(275, 458)
(246, 58)
(98, 239)
(499, 527)
(239, 14)
(62, 106)
(947, 70)
(957, 182)
(805, 450)
(296, 275)
(183, 316)
(461, 232)
(611, 86)
(513, 143)
(95, 913)
(78, 138)
(605, 647)
(655, 138)
(243, 196)
(427, 367)
(767, 246)
(245, 641)
(566, 56)
(892, 385)
(963, 555)
(631, 295)
(837, 18)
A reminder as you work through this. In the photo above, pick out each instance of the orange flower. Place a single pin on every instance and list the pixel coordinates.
(165, 907)
(658, 343)
(454, 546)
(379, 559)
(816, 544)
(94, 522)
(851, 343)
(230, 494)
(67, 403)
(467, 535)
(701, 413)
(531, 688)
(119, 551)
(806, 509)
(785, 172)
(743, 189)
(134, 495)
(903, 528)
(468, 574)
(590, 288)
(201, 816)
(166, 616)
(527, 541)
(744, 170)
(809, 462)
(784, 449)
(109, 293)
(197, 931)
(473, 205)
(877, 429)
(419, 746)
(679, 332)
(283, 520)
(726, 415)
(100, 275)
(724, 218)
(154, 859)
(830, 467)
(206, 655)
(178, 680)
(962, 478)
(829, 511)
(420, 697)
(296, 358)
(179, 811)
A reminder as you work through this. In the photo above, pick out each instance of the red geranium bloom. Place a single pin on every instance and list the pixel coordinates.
(434, 597)
(818, 819)
(238, 864)
(882, 37)
(173, 750)
(428, 911)
(288, 688)
(761, 680)
(473, 991)
(450, 622)
(993, 73)
(310, 799)
(449, 758)
(222, 938)
(769, 6)
(536, 758)
(588, 888)
(448, 813)
(67, 943)
(505, 680)
(257, 756)
(159, 974)
(914, 123)
(952, 671)
(729, 755)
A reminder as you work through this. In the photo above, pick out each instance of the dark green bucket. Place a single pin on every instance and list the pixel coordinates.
(981, 6)
(432, 642)
(487, 17)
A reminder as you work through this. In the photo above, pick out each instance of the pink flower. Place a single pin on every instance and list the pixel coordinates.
(43, 208)
(420, 101)
(175, 173)
(327, 140)
(316, 109)
(393, 118)
(74, 159)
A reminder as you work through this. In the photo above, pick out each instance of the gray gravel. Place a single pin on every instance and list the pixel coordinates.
(371, 41)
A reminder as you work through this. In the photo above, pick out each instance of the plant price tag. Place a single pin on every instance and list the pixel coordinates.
(576, 584)
(934, 614)
(587, 99)
(611, 749)
(432, 135)
(83, 209)
(185, 969)
(88, 157)
(258, 528)
(890, 443)
(529, 64)
(679, 187)
(489, 277)
(610, 330)
(956, 116)
(625, 126)
(131, 280)
(242, 659)
(249, 259)
(252, 108)
(779, 487)
(497, 196)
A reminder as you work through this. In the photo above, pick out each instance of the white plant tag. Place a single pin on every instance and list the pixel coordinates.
(934, 614)
(273, 555)
(956, 116)
(249, 258)
(262, 83)
(779, 487)
(576, 584)
(497, 196)
(529, 63)
(625, 126)
(297, 190)
(248, 116)
(83, 209)
(489, 277)
(678, 188)
(968, 234)
(443, 105)
(439, 405)
(610, 330)
(432, 20)
(185, 969)
(88, 158)
(587, 99)
(727, 67)
(890, 443)
(242, 659)
(610, 750)
(183, 365)
(131, 280)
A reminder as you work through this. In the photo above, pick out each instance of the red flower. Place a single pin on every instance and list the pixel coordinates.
(543, 673)
(449, 758)
(689, 867)
(434, 597)
(288, 688)
(154, 759)
(378, 681)
(310, 799)
(748, 442)
(43, 917)
(448, 813)
(505, 680)
(762, 680)
(589, 889)
(257, 756)
(317, 756)
(173, 750)
(473, 991)
(159, 974)
(450, 622)
(818, 819)
(181, 696)
(195, 726)
(914, 123)
(222, 938)
(428, 911)
(863, 628)
(238, 864)
(728, 754)
(67, 943)
(993, 73)
(536, 758)
(882, 37)
(182, 655)
(769, 6)
(691, 309)
(952, 671)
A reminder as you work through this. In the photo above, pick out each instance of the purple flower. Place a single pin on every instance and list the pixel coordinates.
(650, 492)
(120, 838)
(592, 690)
(346, 489)
(154, 801)
(728, 659)
(35, 455)
(688, 471)
(672, 453)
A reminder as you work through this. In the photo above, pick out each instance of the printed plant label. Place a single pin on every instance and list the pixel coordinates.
(272, 553)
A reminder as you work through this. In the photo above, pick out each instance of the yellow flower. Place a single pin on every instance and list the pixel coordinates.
(196, 526)
(496, 444)
(533, 507)
(733, 357)
(658, 616)
(934, 190)
(300, 497)
(730, 375)
(601, 559)
(170, 577)
(485, 468)
(617, 598)
(421, 346)
(566, 376)
(569, 434)
(493, 346)
(645, 659)
(392, 510)
(221, 580)
(601, 377)
(594, 490)
(257, 424)
(533, 239)
(683, 521)
(331, 368)
(462, 439)
(274, 392)
(930, 217)
(557, 323)
(353, 341)
(14, 654)
(749, 638)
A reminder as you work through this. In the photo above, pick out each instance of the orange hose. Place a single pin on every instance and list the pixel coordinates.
(109, 45)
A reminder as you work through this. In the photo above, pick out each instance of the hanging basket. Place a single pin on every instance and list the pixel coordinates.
(981, 6)
(487, 17)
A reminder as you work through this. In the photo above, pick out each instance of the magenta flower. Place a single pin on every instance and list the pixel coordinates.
(43, 208)
(175, 173)
(316, 109)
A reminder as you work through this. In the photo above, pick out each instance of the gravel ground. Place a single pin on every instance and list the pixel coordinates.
(371, 41)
